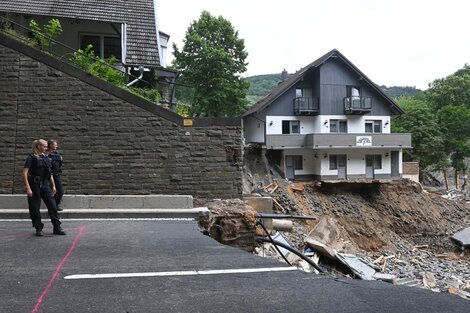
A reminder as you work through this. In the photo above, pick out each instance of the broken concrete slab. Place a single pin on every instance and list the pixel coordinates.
(385, 277)
(325, 232)
(462, 239)
(407, 281)
(321, 248)
(359, 266)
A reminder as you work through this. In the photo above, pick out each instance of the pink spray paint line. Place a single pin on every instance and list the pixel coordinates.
(57, 270)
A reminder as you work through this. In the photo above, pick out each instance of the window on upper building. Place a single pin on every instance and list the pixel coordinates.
(353, 91)
(373, 126)
(299, 92)
(338, 126)
(104, 46)
(291, 127)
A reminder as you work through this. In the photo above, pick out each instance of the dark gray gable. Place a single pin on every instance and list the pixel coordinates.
(139, 15)
(294, 78)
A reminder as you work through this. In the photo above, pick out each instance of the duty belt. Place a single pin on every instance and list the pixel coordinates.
(37, 179)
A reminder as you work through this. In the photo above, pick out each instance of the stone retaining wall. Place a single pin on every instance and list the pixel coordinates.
(113, 142)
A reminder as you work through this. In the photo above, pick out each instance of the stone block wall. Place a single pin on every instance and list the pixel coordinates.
(112, 142)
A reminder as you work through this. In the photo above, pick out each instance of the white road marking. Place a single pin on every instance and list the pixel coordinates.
(182, 273)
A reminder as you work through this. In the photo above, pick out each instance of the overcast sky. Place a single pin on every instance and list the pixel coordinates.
(393, 42)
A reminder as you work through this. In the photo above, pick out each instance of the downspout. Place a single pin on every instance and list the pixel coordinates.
(141, 71)
(159, 47)
(124, 45)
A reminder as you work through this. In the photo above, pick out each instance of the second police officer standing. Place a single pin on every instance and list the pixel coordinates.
(56, 159)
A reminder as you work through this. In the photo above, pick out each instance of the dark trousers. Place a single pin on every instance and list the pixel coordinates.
(60, 190)
(42, 190)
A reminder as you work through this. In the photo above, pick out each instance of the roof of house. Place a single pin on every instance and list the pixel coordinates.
(297, 76)
(139, 15)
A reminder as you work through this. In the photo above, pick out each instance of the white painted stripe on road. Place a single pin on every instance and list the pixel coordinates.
(182, 273)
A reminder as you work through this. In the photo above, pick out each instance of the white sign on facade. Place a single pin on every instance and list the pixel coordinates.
(364, 141)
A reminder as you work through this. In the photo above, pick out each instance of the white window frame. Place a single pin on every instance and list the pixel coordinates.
(374, 123)
(101, 36)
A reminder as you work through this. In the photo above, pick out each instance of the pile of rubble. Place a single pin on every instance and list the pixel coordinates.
(408, 265)
(386, 230)
(396, 233)
(458, 195)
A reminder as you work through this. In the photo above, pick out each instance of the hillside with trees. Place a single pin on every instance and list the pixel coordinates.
(261, 85)
(396, 92)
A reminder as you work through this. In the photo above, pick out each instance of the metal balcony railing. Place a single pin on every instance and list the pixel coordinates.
(326, 140)
(306, 106)
(357, 105)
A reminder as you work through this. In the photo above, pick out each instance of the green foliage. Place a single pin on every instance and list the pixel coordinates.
(452, 90)
(439, 121)
(43, 37)
(420, 120)
(454, 122)
(396, 92)
(211, 60)
(450, 97)
(183, 110)
(261, 86)
(89, 62)
(148, 93)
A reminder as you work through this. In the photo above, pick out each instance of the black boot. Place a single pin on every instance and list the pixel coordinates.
(39, 232)
(58, 231)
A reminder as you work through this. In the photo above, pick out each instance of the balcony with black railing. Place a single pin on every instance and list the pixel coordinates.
(357, 105)
(306, 106)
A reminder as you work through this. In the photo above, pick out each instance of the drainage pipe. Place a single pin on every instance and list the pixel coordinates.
(294, 251)
(141, 70)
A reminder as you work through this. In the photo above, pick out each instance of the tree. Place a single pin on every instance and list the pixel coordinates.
(426, 138)
(452, 90)
(211, 60)
(450, 97)
(454, 123)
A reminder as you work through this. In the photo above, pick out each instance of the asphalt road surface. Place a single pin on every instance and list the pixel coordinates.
(132, 266)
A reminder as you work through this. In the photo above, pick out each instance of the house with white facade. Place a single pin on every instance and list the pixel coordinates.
(328, 121)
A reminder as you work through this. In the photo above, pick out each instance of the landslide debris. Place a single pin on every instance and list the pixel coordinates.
(396, 220)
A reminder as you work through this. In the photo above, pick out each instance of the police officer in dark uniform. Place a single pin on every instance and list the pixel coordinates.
(39, 184)
(56, 159)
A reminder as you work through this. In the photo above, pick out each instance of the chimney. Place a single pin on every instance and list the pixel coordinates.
(284, 75)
